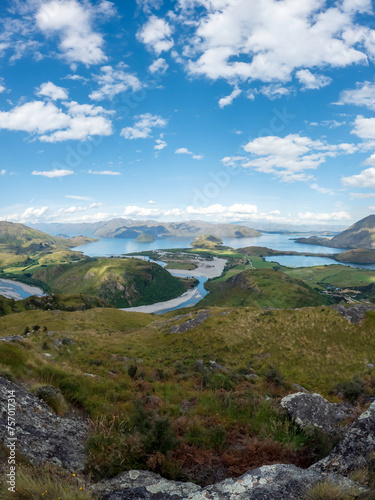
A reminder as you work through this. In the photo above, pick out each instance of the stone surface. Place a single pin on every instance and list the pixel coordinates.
(312, 410)
(271, 482)
(354, 313)
(138, 484)
(12, 338)
(43, 436)
(192, 323)
(355, 450)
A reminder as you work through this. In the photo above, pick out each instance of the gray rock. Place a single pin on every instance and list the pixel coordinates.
(43, 436)
(192, 323)
(355, 450)
(299, 388)
(271, 482)
(47, 355)
(63, 341)
(47, 391)
(312, 410)
(12, 338)
(219, 367)
(139, 484)
(354, 313)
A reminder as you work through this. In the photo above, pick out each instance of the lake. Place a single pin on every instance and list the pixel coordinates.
(119, 246)
(302, 261)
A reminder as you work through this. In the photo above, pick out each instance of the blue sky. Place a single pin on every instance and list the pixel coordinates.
(222, 110)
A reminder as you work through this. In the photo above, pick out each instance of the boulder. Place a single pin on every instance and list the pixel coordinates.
(355, 312)
(192, 323)
(139, 484)
(42, 436)
(312, 410)
(356, 450)
(12, 338)
(271, 482)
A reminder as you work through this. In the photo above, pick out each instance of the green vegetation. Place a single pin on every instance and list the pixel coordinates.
(145, 238)
(261, 288)
(208, 242)
(358, 256)
(152, 403)
(334, 275)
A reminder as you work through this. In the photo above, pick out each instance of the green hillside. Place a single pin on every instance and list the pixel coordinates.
(261, 288)
(357, 256)
(122, 282)
(25, 239)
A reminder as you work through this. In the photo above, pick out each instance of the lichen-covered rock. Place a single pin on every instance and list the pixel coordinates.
(356, 450)
(43, 436)
(192, 323)
(12, 338)
(271, 482)
(139, 484)
(355, 312)
(312, 410)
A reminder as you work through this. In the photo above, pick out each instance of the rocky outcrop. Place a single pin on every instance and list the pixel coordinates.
(42, 436)
(354, 313)
(192, 323)
(12, 338)
(312, 410)
(356, 450)
(271, 482)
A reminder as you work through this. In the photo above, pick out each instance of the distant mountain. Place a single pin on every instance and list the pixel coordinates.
(128, 228)
(359, 235)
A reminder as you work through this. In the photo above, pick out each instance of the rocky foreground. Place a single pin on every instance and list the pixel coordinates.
(43, 436)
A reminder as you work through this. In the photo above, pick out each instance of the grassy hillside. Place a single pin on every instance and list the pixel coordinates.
(154, 405)
(358, 256)
(122, 282)
(262, 288)
(24, 239)
(207, 241)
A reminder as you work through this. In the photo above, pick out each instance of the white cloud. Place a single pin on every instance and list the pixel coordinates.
(51, 124)
(74, 209)
(159, 66)
(366, 179)
(311, 81)
(53, 173)
(362, 95)
(160, 144)
(269, 40)
(3, 172)
(143, 126)
(148, 5)
(2, 85)
(81, 198)
(151, 202)
(288, 157)
(185, 151)
(364, 127)
(226, 101)
(52, 91)
(103, 172)
(322, 190)
(330, 216)
(76, 78)
(113, 82)
(273, 91)
(134, 210)
(156, 35)
(73, 23)
(30, 215)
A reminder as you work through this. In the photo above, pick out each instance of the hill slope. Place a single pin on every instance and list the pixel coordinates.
(262, 288)
(359, 235)
(24, 239)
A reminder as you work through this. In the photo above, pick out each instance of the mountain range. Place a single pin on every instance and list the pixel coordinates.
(129, 228)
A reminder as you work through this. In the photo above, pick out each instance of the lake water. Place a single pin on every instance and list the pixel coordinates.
(301, 261)
(118, 246)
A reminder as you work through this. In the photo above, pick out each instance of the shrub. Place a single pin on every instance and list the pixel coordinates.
(53, 397)
(351, 390)
(132, 371)
(328, 490)
(274, 376)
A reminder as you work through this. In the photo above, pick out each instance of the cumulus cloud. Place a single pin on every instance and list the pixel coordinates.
(50, 124)
(3, 172)
(270, 40)
(2, 86)
(73, 23)
(30, 215)
(52, 91)
(185, 151)
(322, 190)
(103, 172)
(113, 82)
(74, 209)
(143, 126)
(362, 95)
(364, 127)
(366, 179)
(226, 101)
(156, 35)
(51, 174)
(288, 157)
(330, 216)
(160, 144)
(159, 66)
(310, 81)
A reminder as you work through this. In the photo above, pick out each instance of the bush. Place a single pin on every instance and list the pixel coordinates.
(274, 376)
(327, 490)
(132, 371)
(351, 390)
